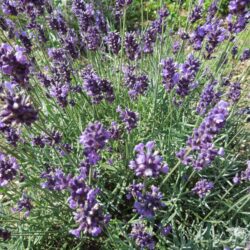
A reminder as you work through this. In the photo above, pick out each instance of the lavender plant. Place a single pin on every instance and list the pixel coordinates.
(117, 138)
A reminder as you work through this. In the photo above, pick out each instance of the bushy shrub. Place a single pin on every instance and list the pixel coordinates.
(113, 138)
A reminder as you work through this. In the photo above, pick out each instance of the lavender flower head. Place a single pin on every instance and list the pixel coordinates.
(188, 72)
(200, 150)
(89, 214)
(14, 62)
(234, 92)
(24, 204)
(203, 187)
(123, 3)
(113, 40)
(166, 230)
(60, 91)
(245, 55)
(197, 37)
(55, 179)
(243, 176)
(129, 118)
(57, 22)
(208, 98)
(196, 13)
(234, 51)
(176, 47)
(216, 35)
(146, 204)
(18, 109)
(132, 47)
(137, 85)
(114, 131)
(92, 38)
(169, 73)
(8, 169)
(238, 6)
(97, 88)
(142, 238)
(94, 139)
(148, 163)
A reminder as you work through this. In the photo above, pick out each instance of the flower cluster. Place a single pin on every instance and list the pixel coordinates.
(132, 47)
(24, 204)
(55, 179)
(89, 214)
(91, 23)
(148, 163)
(14, 63)
(216, 34)
(137, 85)
(200, 145)
(166, 230)
(181, 77)
(245, 55)
(18, 109)
(156, 27)
(146, 203)
(94, 139)
(196, 13)
(113, 40)
(243, 176)
(209, 97)
(8, 169)
(129, 118)
(234, 92)
(142, 238)
(169, 73)
(119, 7)
(57, 22)
(10, 133)
(97, 88)
(203, 187)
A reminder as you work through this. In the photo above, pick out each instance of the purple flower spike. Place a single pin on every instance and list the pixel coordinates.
(196, 13)
(244, 176)
(245, 55)
(203, 187)
(55, 179)
(148, 163)
(24, 204)
(113, 40)
(97, 88)
(137, 85)
(169, 74)
(188, 72)
(146, 204)
(92, 38)
(234, 92)
(142, 238)
(208, 98)
(131, 46)
(89, 214)
(18, 109)
(129, 118)
(166, 230)
(238, 6)
(203, 151)
(8, 169)
(14, 63)
(94, 139)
